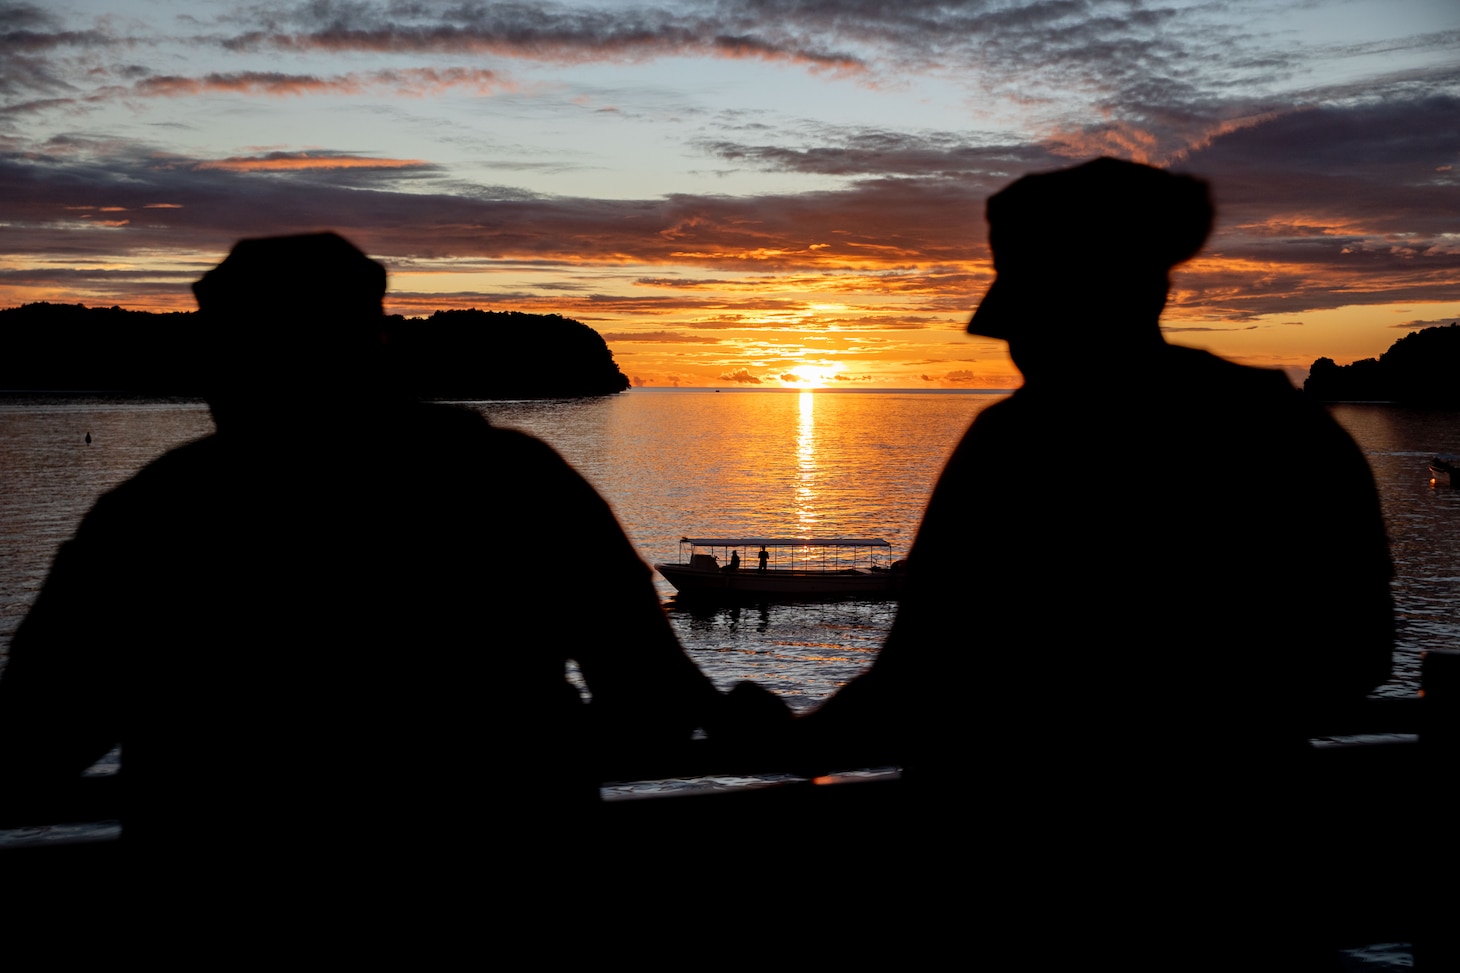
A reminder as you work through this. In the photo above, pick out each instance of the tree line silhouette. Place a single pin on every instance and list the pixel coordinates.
(469, 354)
(1420, 368)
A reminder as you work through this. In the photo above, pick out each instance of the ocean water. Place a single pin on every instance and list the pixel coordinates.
(676, 463)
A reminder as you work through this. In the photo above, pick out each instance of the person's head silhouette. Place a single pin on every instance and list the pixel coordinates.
(290, 319)
(1082, 257)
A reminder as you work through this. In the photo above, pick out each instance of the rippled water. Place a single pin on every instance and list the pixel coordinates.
(703, 463)
(50, 476)
(1423, 523)
(690, 462)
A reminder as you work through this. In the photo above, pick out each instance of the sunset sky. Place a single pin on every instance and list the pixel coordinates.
(753, 193)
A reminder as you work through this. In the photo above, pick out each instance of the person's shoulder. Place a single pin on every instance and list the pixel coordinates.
(1005, 410)
(459, 442)
(1194, 367)
(463, 421)
(163, 491)
(444, 418)
(519, 445)
(462, 427)
(178, 467)
(1261, 410)
(1009, 418)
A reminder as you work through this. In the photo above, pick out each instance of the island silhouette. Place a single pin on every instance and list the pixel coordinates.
(1420, 369)
(466, 354)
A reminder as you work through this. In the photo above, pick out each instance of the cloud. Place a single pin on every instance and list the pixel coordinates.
(23, 18)
(27, 29)
(550, 33)
(741, 376)
(659, 337)
(1420, 324)
(1159, 80)
(301, 161)
(1332, 205)
(1344, 196)
(884, 153)
(411, 82)
(1180, 329)
(1298, 228)
(29, 40)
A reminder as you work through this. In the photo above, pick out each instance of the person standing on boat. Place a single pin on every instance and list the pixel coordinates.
(764, 557)
(298, 632)
(1119, 662)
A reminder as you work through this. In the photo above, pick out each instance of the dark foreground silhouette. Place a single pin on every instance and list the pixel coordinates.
(1125, 614)
(331, 638)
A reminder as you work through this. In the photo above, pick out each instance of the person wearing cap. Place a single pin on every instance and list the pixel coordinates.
(296, 628)
(1140, 584)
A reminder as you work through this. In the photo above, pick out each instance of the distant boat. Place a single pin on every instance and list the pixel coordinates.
(1443, 469)
(796, 567)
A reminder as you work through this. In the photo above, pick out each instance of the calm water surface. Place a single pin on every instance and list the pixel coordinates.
(704, 463)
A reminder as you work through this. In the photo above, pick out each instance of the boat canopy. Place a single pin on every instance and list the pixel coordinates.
(785, 541)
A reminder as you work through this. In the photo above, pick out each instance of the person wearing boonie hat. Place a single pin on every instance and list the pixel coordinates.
(1140, 582)
(298, 633)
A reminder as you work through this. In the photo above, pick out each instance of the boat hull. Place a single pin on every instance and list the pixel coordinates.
(752, 583)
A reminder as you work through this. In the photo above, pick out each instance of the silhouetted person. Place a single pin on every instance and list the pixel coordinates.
(1140, 582)
(323, 674)
(764, 557)
(734, 561)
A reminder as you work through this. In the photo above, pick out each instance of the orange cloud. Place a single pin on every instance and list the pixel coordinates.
(414, 82)
(250, 82)
(281, 161)
(661, 337)
(740, 376)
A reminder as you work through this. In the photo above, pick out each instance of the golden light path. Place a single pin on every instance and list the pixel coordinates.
(806, 514)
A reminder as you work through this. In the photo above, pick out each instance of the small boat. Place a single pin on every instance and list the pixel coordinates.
(1444, 469)
(778, 567)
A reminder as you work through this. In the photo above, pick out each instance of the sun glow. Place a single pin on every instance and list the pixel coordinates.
(811, 376)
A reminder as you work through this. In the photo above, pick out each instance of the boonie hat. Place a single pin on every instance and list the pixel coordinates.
(309, 273)
(1105, 218)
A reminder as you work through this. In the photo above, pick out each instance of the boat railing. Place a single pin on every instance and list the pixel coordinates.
(820, 555)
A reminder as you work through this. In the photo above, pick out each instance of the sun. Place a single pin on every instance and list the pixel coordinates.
(812, 376)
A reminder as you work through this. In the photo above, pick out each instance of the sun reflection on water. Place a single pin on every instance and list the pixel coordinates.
(806, 468)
